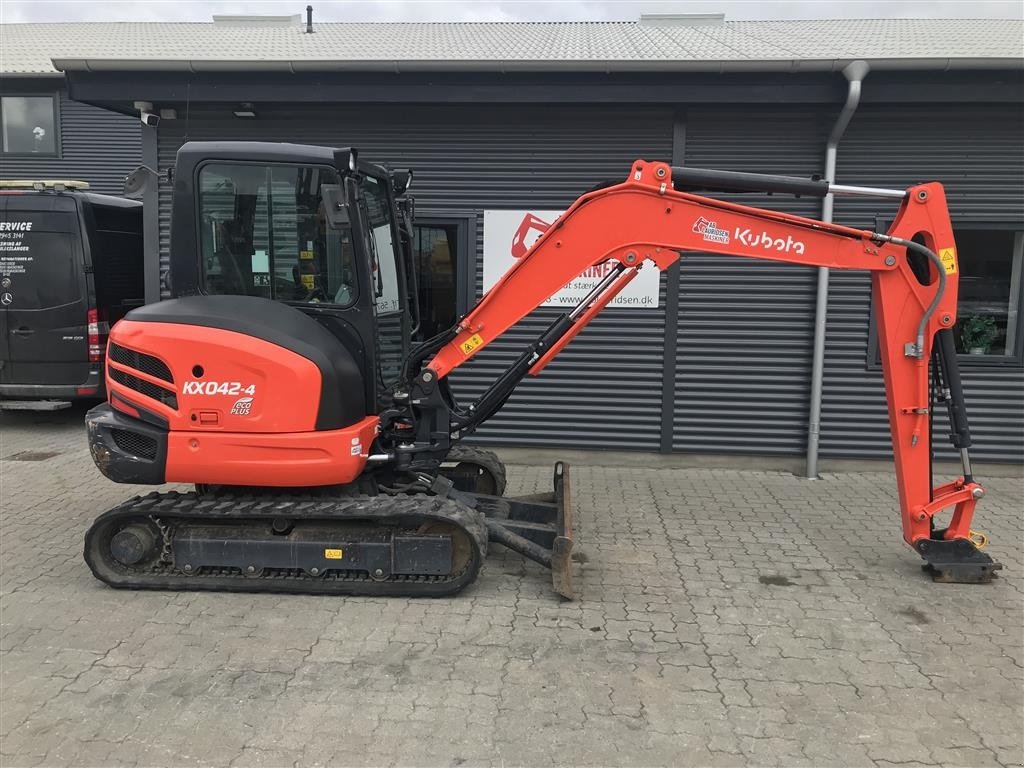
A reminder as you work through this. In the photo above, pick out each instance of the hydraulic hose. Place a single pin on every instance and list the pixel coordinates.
(930, 254)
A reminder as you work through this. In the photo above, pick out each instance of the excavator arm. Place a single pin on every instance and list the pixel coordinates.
(646, 221)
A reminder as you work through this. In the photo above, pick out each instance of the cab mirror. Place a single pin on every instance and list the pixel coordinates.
(335, 206)
(346, 160)
(401, 180)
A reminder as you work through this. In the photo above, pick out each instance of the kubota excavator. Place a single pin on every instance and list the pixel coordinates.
(324, 446)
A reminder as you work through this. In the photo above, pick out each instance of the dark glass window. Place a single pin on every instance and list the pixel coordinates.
(381, 247)
(263, 233)
(435, 249)
(383, 251)
(988, 310)
(988, 328)
(29, 125)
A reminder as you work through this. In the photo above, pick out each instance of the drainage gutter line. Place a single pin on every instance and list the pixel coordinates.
(855, 73)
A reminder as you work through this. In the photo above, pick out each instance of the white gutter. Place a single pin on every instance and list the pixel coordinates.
(855, 73)
(68, 64)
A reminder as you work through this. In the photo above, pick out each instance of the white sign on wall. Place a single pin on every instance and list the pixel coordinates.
(509, 234)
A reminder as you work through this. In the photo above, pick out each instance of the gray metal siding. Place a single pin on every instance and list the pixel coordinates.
(97, 146)
(745, 326)
(743, 361)
(976, 151)
(604, 391)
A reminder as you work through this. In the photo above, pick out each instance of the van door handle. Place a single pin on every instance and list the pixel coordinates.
(23, 331)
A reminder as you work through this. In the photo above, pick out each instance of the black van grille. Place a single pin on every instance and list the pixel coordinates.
(142, 446)
(165, 396)
(140, 362)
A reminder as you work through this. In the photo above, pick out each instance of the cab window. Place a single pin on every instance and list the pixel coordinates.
(263, 233)
(382, 249)
(392, 326)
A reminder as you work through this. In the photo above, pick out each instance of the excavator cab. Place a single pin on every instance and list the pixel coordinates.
(312, 227)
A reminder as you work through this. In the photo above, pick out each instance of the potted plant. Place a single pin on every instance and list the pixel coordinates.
(977, 332)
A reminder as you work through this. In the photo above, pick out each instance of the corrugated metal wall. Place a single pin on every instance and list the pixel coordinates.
(745, 327)
(743, 362)
(97, 146)
(604, 391)
(976, 151)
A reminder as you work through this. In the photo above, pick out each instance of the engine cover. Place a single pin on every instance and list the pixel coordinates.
(230, 390)
(235, 363)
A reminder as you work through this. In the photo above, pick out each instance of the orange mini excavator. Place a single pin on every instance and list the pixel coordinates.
(281, 381)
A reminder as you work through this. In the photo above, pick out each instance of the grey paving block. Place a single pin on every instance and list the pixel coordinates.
(726, 618)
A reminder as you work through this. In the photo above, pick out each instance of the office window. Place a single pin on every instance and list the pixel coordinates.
(29, 125)
(436, 254)
(988, 310)
(988, 330)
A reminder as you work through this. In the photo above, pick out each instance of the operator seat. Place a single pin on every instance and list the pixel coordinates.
(342, 400)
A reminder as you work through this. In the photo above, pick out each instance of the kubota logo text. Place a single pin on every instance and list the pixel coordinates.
(769, 243)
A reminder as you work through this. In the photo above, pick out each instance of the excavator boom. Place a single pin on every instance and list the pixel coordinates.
(650, 219)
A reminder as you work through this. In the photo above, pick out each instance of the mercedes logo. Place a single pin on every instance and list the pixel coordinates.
(6, 299)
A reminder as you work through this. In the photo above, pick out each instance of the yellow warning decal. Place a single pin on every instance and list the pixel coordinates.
(470, 344)
(948, 257)
(333, 554)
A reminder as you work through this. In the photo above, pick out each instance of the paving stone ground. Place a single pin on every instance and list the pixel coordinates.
(725, 617)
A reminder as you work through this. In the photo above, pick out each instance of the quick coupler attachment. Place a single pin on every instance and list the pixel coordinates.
(956, 561)
(538, 527)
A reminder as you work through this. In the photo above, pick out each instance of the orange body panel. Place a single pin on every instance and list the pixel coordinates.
(248, 419)
(284, 387)
(286, 460)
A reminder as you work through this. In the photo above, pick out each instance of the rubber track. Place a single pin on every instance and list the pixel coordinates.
(174, 508)
(487, 459)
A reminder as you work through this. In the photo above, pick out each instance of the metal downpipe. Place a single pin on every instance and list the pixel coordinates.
(855, 73)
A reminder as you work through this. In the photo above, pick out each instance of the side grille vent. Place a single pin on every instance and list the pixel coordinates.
(165, 396)
(141, 362)
(142, 446)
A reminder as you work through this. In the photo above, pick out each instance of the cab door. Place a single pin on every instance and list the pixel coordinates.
(376, 227)
(262, 232)
(258, 218)
(46, 300)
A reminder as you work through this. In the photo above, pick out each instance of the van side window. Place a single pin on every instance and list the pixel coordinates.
(263, 233)
(117, 260)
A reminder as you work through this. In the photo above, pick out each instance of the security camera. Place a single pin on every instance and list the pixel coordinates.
(149, 119)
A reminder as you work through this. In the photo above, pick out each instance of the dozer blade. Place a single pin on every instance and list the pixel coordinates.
(538, 526)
